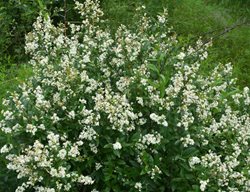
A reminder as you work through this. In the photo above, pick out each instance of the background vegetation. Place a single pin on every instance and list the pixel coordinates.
(226, 21)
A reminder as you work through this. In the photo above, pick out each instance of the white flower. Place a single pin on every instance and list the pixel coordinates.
(181, 56)
(140, 100)
(86, 180)
(73, 152)
(6, 148)
(93, 148)
(161, 19)
(86, 58)
(98, 166)
(203, 184)
(8, 115)
(187, 141)
(88, 133)
(55, 118)
(43, 189)
(71, 114)
(151, 139)
(194, 160)
(161, 120)
(31, 129)
(117, 146)
(41, 126)
(165, 123)
(53, 172)
(62, 153)
(61, 172)
(153, 172)
(67, 187)
(138, 186)
(53, 140)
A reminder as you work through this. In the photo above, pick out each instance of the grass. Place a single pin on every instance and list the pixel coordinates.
(238, 7)
(11, 76)
(194, 18)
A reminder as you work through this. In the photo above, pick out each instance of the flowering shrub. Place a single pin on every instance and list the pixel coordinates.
(129, 112)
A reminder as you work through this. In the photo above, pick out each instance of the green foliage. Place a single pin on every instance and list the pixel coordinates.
(239, 7)
(122, 12)
(12, 76)
(16, 19)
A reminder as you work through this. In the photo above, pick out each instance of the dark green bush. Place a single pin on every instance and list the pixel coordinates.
(16, 19)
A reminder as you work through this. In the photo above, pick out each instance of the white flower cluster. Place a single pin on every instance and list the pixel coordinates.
(6, 148)
(117, 146)
(135, 91)
(138, 186)
(151, 139)
(161, 120)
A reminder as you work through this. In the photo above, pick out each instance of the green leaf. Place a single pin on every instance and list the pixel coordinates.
(191, 151)
(117, 153)
(107, 146)
(153, 68)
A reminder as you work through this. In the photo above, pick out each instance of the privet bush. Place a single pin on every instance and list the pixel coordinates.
(131, 112)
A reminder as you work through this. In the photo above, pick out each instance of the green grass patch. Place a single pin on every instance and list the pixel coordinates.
(194, 18)
(11, 76)
(231, 38)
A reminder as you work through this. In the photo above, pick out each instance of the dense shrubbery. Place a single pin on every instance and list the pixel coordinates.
(191, 18)
(132, 112)
(16, 18)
